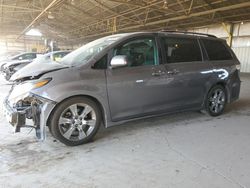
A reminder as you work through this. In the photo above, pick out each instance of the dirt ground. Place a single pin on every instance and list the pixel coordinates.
(176, 151)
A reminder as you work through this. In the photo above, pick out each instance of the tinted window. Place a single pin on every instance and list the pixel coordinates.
(216, 50)
(102, 63)
(182, 50)
(139, 52)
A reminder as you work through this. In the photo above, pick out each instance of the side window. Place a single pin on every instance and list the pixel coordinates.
(29, 56)
(179, 50)
(17, 58)
(216, 50)
(21, 57)
(102, 63)
(139, 52)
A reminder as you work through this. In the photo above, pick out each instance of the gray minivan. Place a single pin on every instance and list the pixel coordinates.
(124, 77)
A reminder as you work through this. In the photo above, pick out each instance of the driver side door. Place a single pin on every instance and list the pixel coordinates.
(137, 89)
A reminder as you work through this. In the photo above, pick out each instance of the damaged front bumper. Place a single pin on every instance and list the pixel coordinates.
(32, 107)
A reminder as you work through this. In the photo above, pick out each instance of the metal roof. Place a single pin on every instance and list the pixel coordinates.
(80, 20)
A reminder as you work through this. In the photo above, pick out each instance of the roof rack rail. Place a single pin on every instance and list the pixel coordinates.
(187, 32)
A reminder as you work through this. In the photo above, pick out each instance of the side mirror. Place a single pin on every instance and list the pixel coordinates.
(119, 61)
(20, 58)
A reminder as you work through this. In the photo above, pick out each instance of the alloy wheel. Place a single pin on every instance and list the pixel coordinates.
(217, 101)
(77, 122)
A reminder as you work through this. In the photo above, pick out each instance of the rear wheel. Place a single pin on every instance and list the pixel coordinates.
(75, 121)
(216, 100)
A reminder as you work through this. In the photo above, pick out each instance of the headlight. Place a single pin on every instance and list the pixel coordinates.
(22, 90)
(238, 67)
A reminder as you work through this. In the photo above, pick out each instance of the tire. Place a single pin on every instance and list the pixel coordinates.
(75, 121)
(216, 100)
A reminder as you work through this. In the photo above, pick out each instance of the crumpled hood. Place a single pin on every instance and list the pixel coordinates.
(36, 69)
(14, 62)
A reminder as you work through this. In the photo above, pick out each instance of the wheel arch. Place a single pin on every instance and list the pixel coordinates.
(104, 118)
(220, 83)
(224, 85)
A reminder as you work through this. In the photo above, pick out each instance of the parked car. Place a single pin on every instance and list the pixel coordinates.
(50, 57)
(8, 55)
(17, 62)
(124, 77)
(8, 69)
(19, 57)
(12, 67)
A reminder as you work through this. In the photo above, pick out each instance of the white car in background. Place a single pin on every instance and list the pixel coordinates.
(12, 67)
(18, 57)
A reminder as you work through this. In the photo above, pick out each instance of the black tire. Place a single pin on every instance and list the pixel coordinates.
(64, 109)
(216, 100)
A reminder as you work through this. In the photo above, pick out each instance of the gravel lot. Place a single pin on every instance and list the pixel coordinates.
(180, 150)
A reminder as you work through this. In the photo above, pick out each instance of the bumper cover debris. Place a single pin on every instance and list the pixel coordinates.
(38, 111)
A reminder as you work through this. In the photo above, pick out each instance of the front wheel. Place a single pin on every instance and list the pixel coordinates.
(216, 100)
(75, 121)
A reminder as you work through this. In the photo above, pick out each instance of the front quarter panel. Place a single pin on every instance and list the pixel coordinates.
(76, 81)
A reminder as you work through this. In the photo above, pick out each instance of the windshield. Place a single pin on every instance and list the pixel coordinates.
(84, 53)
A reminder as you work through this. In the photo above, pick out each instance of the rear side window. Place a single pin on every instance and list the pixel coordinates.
(216, 50)
(179, 50)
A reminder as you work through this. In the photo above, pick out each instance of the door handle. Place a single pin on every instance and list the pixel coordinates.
(173, 71)
(158, 73)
